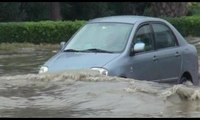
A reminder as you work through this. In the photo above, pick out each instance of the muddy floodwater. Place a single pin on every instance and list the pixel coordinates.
(84, 93)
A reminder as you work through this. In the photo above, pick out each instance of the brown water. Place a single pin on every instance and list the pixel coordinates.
(83, 93)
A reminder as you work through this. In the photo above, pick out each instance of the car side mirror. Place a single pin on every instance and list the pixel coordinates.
(62, 44)
(138, 47)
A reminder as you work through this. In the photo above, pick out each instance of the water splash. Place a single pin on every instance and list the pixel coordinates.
(185, 91)
(86, 93)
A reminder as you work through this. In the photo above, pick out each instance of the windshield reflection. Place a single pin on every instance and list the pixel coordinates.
(103, 37)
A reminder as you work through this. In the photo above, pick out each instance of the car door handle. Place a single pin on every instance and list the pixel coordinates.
(177, 54)
(155, 58)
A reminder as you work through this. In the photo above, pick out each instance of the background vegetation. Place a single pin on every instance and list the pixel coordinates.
(52, 22)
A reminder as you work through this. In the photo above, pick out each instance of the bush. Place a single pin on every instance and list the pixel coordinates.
(55, 32)
(187, 25)
(38, 32)
(193, 8)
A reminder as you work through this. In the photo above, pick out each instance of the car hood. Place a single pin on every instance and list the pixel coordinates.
(74, 60)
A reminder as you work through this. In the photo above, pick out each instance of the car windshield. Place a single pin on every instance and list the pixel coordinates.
(100, 37)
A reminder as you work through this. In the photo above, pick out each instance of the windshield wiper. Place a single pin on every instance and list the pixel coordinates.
(71, 50)
(96, 50)
(88, 50)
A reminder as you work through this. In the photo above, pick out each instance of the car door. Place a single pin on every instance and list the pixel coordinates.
(142, 64)
(168, 56)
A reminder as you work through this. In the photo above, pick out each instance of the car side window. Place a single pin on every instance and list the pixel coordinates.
(144, 35)
(163, 36)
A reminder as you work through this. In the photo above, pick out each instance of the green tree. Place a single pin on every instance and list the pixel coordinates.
(89, 10)
(10, 11)
(84, 10)
(128, 8)
(35, 11)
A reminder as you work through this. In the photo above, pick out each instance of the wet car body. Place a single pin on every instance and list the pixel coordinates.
(166, 56)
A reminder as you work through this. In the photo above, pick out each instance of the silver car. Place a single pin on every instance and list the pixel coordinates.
(139, 47)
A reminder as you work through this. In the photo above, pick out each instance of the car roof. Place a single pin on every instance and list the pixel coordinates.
(125, 19)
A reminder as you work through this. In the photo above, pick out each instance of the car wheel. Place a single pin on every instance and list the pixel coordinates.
(184, 80)
(122, 76)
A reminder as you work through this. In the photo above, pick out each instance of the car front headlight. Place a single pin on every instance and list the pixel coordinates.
(43, 69)
(101, 71)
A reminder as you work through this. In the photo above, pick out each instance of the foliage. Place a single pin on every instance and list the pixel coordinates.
(186, 25)
(55, 32)
(37, 11)
(193, 9)
(38, 32)
(10, 11)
